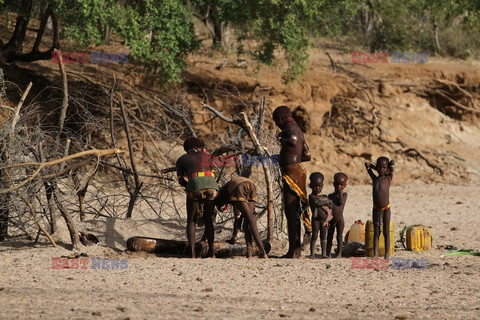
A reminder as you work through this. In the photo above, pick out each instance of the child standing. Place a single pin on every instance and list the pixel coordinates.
(320, 206)
(338, 198)
(381, 201)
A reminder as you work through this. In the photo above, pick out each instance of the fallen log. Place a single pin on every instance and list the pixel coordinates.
(164, 246)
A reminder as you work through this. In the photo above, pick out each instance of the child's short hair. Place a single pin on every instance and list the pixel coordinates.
(282, 112)
(382, 159)
(340, 175)
(314, 176)
(193, 142)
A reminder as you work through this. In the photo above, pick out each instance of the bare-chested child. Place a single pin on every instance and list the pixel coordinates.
(201, 188)
(381, 200)
(294, 150)
(241, 193)
(338, 198)
(320, 206)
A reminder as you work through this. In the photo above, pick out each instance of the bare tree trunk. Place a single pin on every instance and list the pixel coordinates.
(261, 120)
(63, 111)
(39, 225)
(215, 27)
(56, 37)
(41, 29)
(82, 190)
(13, 49)
(51, 186)
(126, 176)
(435, 35)
(15, 43)
(49, 195)
(138, 185)
(72, 229)
(81, 201)
(49, 189)
(108, 34)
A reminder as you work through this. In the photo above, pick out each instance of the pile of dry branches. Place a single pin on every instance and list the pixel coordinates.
(110, 152)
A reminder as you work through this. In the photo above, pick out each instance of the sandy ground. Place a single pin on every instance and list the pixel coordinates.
(153, 287)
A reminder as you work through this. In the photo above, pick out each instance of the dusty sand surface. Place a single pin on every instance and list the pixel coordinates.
(153, 287)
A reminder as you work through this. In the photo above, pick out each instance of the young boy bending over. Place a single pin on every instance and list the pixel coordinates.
(242, 194)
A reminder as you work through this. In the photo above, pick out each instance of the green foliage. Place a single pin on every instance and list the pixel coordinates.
(287, 25)
(409, 25)
(85, 20)
(335, 18)
(396, 31)
(159, 32)
(277, 25)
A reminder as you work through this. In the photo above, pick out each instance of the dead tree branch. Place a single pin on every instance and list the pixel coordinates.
(182, 116)
(332, 63)
(63, 110)
(412, 152)
(40, 226)
(268, 179)
(236, 121)
(42, 165)
(456, 86)
(5, 176)
(461, 106)
(72, 228)
(49, 195)
(138, 185)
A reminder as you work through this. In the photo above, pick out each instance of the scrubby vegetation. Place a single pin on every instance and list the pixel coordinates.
(162, 33)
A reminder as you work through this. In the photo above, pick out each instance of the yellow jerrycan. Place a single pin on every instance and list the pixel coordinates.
(418, 238)
(381, 240)
(357, 232)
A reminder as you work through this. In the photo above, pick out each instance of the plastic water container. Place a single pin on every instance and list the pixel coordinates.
(418, 238)
(381, 240)
(357, 232)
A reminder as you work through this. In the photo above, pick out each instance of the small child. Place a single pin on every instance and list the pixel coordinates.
(242, 194)
(381, 203)
(338, 199)
(320, 206)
